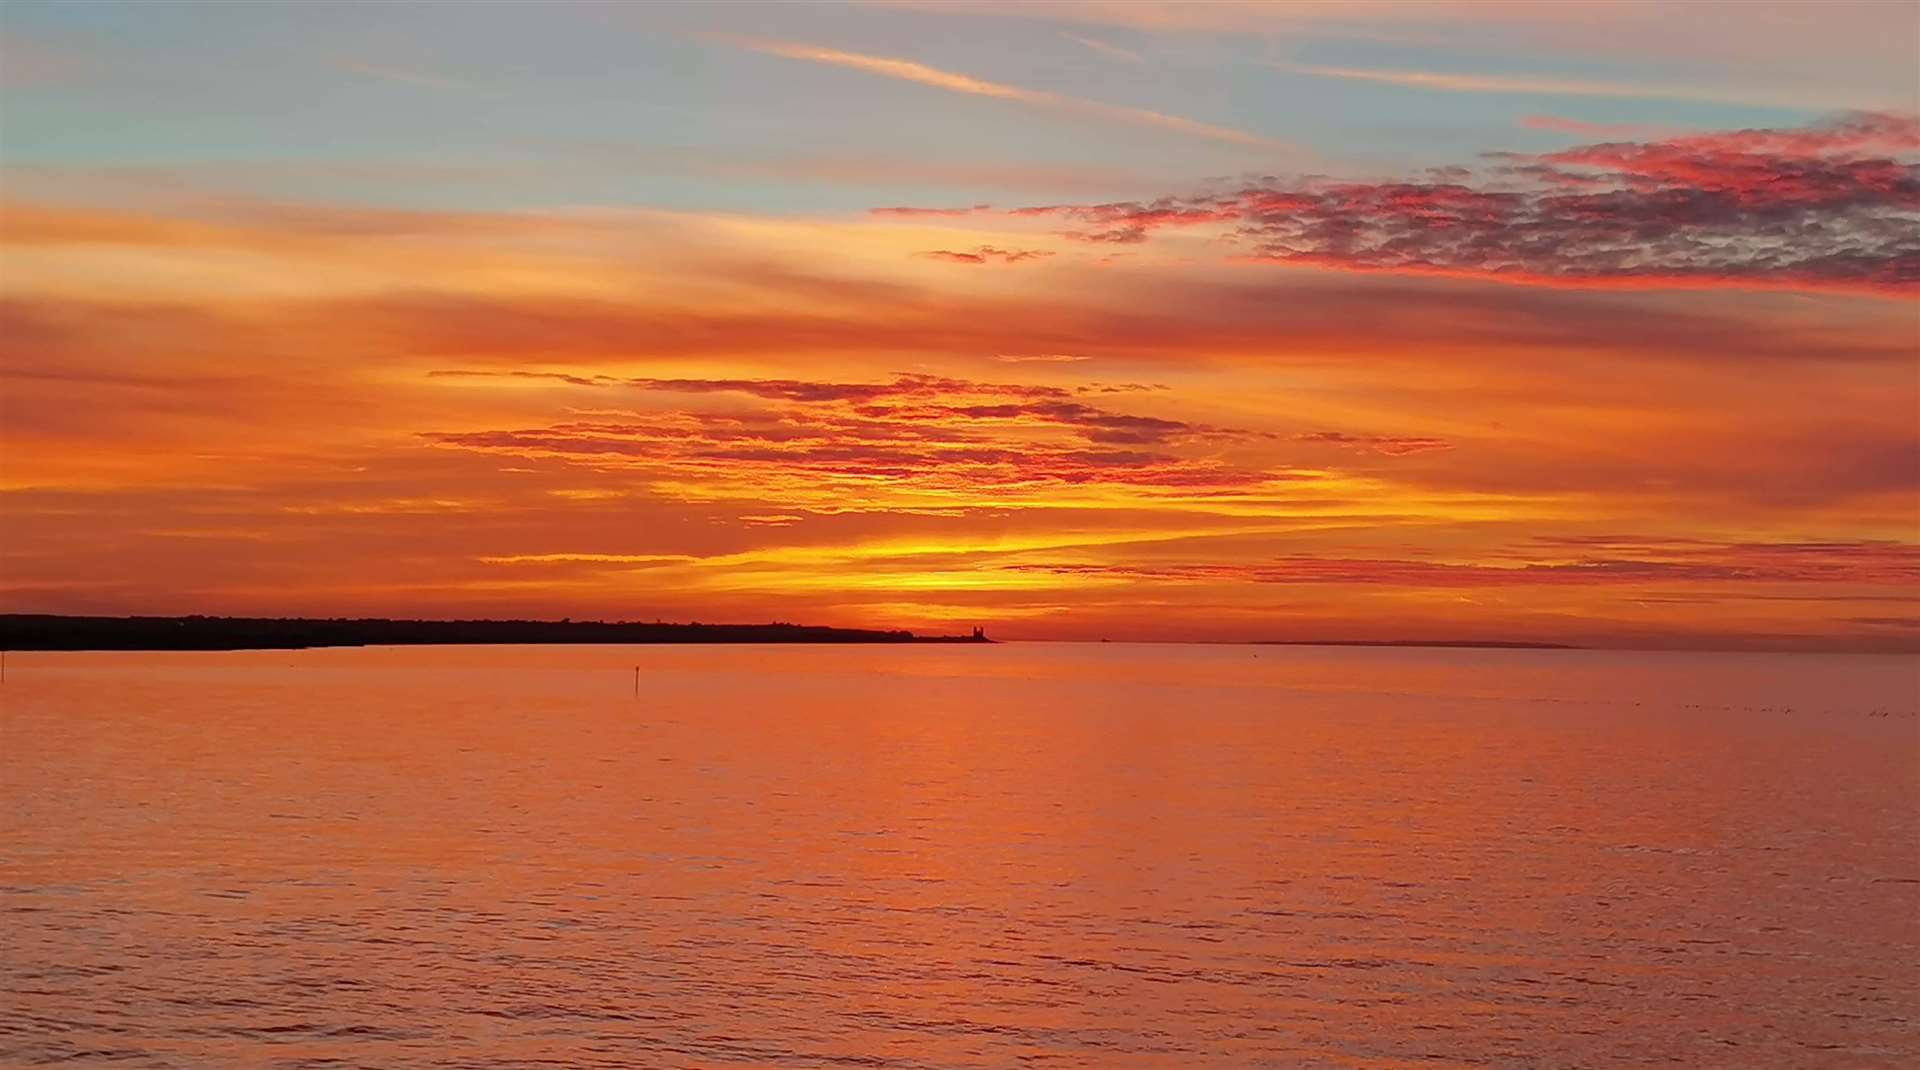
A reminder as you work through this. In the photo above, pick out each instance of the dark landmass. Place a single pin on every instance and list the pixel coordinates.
(32, 631)
(1481, 644)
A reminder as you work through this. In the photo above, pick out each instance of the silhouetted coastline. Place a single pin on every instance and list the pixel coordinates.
(31, 631)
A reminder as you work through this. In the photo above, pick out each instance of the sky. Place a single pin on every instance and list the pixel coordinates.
(1589, 324)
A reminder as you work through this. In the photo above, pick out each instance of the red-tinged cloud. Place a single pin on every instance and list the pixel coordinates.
(1389, 445)
(1128, 223)
(911, 212)
(1877, 132)
(1828, 561)
(804, 467)
(1830, 206)
(930, 432)
(987, 254)
(1864, 562)
(903, 386)
(918, 401)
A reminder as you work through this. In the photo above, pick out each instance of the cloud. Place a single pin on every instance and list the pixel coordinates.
(1127, 223)
(1105, 48)
(904, 386)
(915, 401)
(920, 401)
(1828, 206)
(909, 212)
(1859, 562)
(826, 444)
(1493, 83)
(1543, 85)
(910, 71)
(223, 409)
(1389, 445)
(1160, 319)
(1849, 133)
(987, 254)
(1833, 54)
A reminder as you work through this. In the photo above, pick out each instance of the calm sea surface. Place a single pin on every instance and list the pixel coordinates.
(1033, 855)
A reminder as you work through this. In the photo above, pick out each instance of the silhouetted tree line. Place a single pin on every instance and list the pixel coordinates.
(26, 631)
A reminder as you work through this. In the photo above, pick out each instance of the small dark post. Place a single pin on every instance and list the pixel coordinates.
(636, 681)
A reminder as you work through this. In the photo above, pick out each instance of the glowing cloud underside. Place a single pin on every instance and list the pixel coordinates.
(991, 354)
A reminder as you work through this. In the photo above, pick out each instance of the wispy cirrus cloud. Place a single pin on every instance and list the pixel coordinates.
(907, 211)
(1387, 445)
(1490, 83)
(987, 254)
(1836, 54)
(1539, 85)
(1105, 48)
(1607, 560)
(953, 82)
(1040, 358)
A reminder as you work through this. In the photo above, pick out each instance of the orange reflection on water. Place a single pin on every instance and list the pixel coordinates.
(1099, 856)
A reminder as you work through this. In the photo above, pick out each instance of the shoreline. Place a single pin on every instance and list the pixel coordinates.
(53, 632)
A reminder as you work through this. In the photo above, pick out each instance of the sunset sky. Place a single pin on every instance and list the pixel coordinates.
(1587, 324)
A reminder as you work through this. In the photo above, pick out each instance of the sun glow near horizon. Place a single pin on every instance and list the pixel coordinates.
(1064, 340)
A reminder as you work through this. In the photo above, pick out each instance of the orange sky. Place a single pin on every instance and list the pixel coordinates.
(1551, 402)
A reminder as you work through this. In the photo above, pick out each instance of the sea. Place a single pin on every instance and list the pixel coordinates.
(1024, 855)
